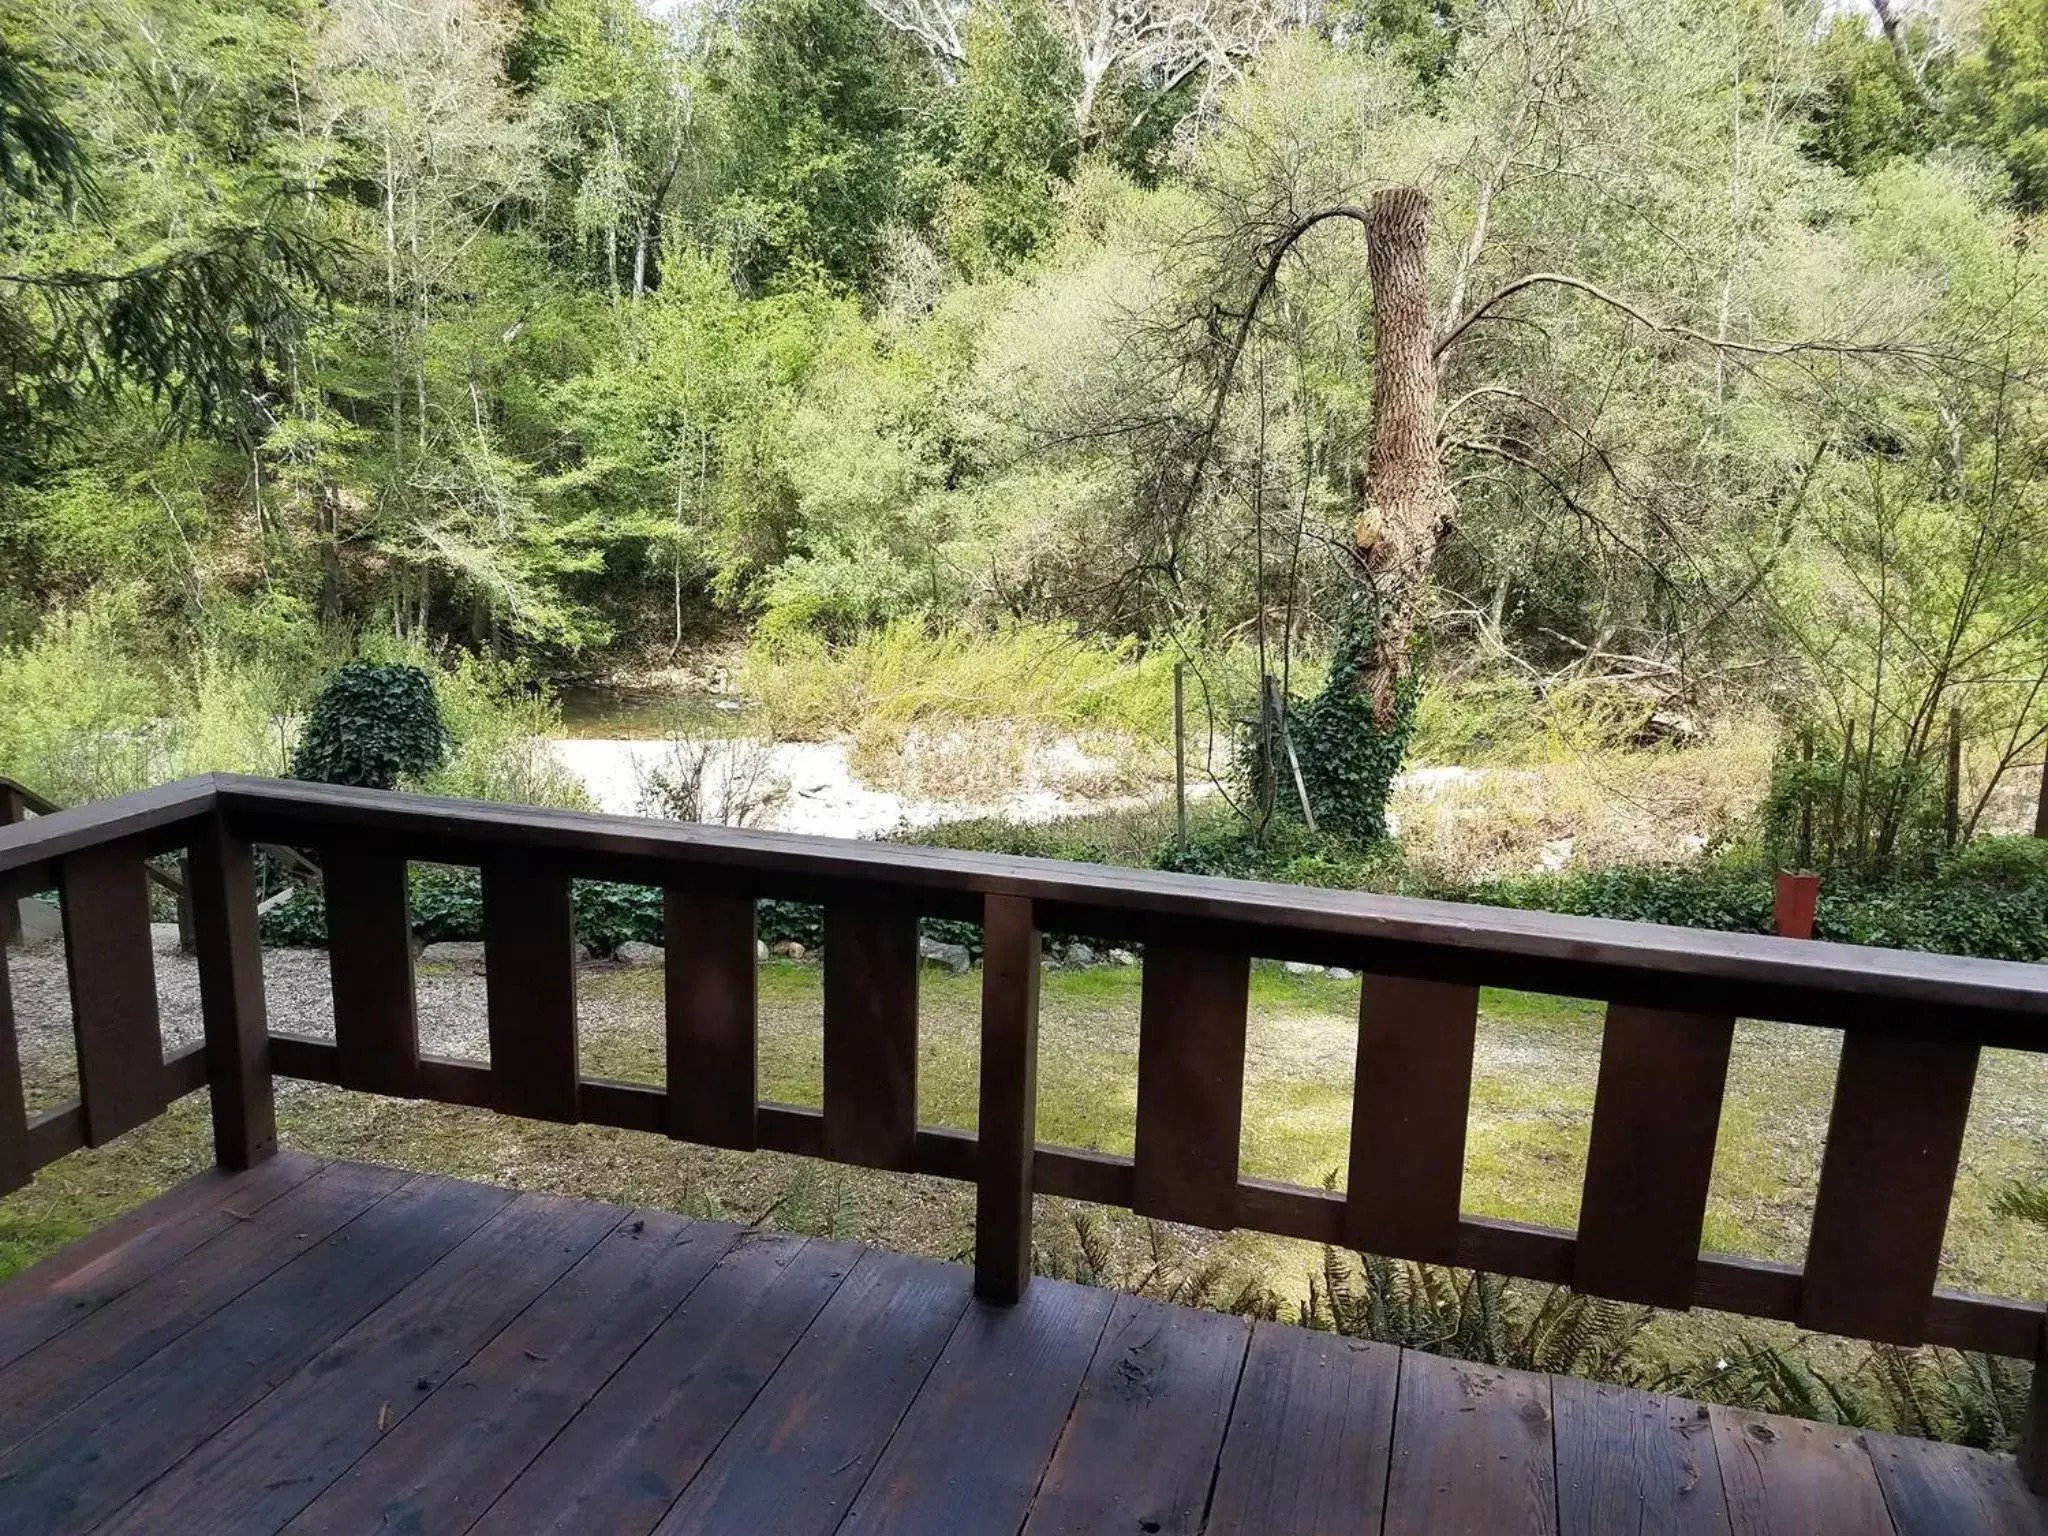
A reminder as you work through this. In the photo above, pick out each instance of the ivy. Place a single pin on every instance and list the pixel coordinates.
(371, 727)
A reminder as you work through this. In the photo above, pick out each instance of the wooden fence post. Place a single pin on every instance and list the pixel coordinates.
(222, 890)
(12, 809)
(2033, 1450)
(1009, 1100)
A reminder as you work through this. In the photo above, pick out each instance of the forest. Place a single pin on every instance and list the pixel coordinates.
(1374, 360)
(1579, 454)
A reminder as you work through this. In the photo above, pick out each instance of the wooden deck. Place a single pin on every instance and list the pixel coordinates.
(338, 1347)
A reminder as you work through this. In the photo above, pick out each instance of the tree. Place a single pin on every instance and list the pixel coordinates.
(818, 172)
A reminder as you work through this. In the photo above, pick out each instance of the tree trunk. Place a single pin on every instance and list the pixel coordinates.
(1405, 504)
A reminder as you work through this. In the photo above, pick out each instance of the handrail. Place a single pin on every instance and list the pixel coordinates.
(1913, 1027)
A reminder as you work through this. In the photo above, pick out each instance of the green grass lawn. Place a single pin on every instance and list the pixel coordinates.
(1531, 1108)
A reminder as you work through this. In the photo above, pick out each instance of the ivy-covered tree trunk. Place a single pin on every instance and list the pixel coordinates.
(1404, 502)
(1352, 736)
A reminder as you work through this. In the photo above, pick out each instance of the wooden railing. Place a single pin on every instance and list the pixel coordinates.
(1913, 1026)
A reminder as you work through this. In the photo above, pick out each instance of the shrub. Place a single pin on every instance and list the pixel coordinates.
(447, 907)
(371, 727)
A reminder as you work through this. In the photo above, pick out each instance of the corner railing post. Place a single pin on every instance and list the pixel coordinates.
(222, 892)
(13, 808)
(1009, 1100)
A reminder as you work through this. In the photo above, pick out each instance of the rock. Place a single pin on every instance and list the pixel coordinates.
(1302, 968)
(1080, 954)
(953, 957)
(789, 949)
(633, 952)
(453, 952)
(1122, 957)
(760, 949)
(1338, 973)
(42, 922)
(1557, 852)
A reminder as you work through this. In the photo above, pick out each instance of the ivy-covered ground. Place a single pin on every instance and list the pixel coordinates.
(1532, 1100)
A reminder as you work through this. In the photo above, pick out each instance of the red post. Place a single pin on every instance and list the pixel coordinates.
(1792, 913)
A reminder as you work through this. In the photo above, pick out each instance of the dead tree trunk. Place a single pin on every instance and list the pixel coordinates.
(1404, 502)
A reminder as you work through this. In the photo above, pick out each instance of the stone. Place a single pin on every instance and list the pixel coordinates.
(1080, 955)
(633, 952)
(1122, 957)
(453, 952)
(789, 949)
(1338, 973)
(760, 949)
(952, 957)
(1303, 968)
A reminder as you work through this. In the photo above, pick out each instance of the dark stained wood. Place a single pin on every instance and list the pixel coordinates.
(79, 1470)
(112, 1339)
(1938, 1490)
(159, 819)
(16, 1165)
(1191, 1029)
(800, 1453)
(263, 1469)
(474, 1435)
(1634, 1463)
(871, 1034)
(1755, 1287)
(966, 1457)
(708, 979)
(369, 953)
(221, 876)
(113, 989)
(1309, 1438)
(1408, 1113)
(625, 1457)
(1472, 1451)
(530, 989)
(1008, 1123)
(77, 1280)
(1139, 1451)
(505, 1366)
(1746, 975)
(1894, 1138)
(13, 809)
(1783, 1476)
(1655, 1116)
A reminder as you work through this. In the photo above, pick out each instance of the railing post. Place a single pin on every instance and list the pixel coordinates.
(12, 809)
(1009, 1099)
(222, 890)
(15, 1170)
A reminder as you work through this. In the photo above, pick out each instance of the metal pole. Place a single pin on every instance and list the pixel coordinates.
(1180, 753)
(1953, 811)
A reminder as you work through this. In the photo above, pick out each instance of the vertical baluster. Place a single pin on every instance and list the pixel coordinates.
(1408, 1109)
(1009, 1099)
(1895, 1136)
(369, 955)
(1191, 1026)
(1655, 1115)
(871, 1035)
(530, 992)
(709, 982)
(14, 1160)
(113, 989)
(221, 889)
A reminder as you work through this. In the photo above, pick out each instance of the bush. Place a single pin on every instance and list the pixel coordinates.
(447, 907)
(371, 727)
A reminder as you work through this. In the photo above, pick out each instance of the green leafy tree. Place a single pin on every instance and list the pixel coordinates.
(822, 95)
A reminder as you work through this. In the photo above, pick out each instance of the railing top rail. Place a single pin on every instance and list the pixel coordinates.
(35, 802)
(26, 847)
(1793, 980)
(1797, 981)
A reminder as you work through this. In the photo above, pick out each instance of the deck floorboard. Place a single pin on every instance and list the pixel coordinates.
(338, 1348)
